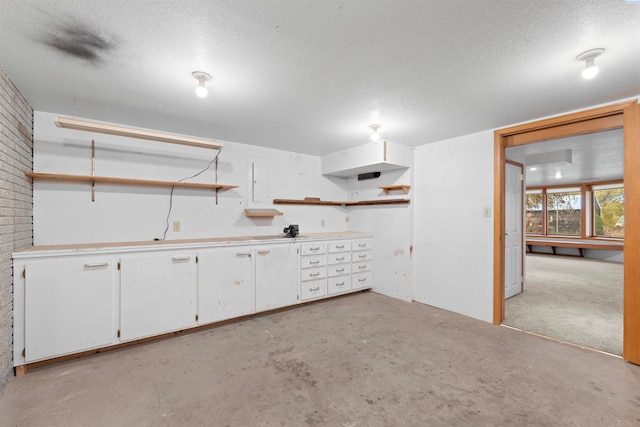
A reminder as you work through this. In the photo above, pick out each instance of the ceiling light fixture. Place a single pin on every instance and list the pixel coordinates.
(558, 175)
(202, 77)
(590, 69)
(375, 136)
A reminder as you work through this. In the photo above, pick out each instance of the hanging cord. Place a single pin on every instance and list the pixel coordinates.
(164, 235)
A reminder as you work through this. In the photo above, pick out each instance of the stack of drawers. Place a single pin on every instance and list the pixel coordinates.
(361, 264)
(313, 270)
(334, 267)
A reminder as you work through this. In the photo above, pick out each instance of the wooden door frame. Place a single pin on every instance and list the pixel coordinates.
(624, 115)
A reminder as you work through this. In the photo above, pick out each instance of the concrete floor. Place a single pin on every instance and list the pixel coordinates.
(360, 360)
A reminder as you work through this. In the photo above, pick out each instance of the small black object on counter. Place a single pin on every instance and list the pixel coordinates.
(291, 230)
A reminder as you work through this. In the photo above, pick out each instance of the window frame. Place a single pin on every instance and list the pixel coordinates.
(587, 219)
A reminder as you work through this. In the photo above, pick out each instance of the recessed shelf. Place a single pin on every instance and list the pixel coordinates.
(387, 188)
(125, 181)
(340, 203)
(262, 212)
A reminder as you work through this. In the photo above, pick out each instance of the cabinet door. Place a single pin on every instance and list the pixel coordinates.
(157, 294)
(225, 284)
(68, 306)
(276, 269)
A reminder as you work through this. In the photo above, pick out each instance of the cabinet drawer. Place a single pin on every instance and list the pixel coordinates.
(338, 284)
(313, 261)
(338, 269)
(313, 248)
(361, 267)
(313, 273)
(338, 258)
(338, 247)
(362, 245)
(361, 280)
(313, 289)
(361, 256)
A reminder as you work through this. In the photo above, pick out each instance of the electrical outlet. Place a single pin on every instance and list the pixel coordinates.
(322, 223)
(176, 225)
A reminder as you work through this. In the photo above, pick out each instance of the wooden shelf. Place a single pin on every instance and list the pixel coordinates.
(125, 181)
(387, 188)
(262, 212)
(340, 203)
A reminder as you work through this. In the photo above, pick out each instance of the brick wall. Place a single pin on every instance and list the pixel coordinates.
(16, 204)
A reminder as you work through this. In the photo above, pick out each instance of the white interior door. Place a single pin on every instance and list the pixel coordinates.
(513, 230)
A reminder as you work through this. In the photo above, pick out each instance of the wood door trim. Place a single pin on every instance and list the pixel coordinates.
(630, 113)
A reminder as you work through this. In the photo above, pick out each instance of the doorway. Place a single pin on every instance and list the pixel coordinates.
(625, 116)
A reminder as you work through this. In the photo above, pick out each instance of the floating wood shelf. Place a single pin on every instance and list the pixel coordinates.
(340, 203)
(262, 212)
(125, 181)
(387, 188)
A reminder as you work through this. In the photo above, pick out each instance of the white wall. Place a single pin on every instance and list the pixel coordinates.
(392, 227)
(453, 241)
(64, 212)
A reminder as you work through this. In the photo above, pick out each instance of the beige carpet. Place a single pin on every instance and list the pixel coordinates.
(576, 300)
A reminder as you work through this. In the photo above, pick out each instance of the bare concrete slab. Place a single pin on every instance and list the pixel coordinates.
(360, 360)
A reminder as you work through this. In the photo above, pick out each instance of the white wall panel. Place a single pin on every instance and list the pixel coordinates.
(453, 254)
(64, 212)
(392, 228)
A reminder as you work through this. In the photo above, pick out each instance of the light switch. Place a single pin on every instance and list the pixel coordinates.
(486, 212)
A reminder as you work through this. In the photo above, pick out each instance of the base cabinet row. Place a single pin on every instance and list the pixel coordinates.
(78, 303)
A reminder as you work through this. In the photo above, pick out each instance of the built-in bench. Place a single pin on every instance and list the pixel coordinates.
(579, 244)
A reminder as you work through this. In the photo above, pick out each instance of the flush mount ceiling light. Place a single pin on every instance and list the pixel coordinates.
(202, 77)
(590, 69)
(375, 136)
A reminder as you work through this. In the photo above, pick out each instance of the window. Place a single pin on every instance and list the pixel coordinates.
(564, 212)
(558, 211)
(533, 220)
(608, 211)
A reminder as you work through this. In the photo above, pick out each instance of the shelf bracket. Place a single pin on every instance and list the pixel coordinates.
(93, 169)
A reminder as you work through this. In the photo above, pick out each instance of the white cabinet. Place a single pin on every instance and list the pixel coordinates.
(225, 284)
(73, 300)
(339, 269)
(361, 267)
(313, 270)
(70, 306)
(276, 276)
(377, 156)
(157, 294)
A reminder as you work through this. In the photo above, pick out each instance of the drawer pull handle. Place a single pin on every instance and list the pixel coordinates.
(96, 264)
(339, 270)
(340, 259)
(314, 289)
(314, 262)
(339, 246)
(248, 253)
(363, 245)
(362, 255)
(340, 284)
(264, 251)
(314, 274)
(364, 279)
(315, 249)
(181, 258)
(362, 267)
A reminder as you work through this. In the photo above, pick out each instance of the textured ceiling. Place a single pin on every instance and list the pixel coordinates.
(306, 76)
(596, 156)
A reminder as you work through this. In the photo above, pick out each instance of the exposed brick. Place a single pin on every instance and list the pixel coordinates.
(16, 204)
